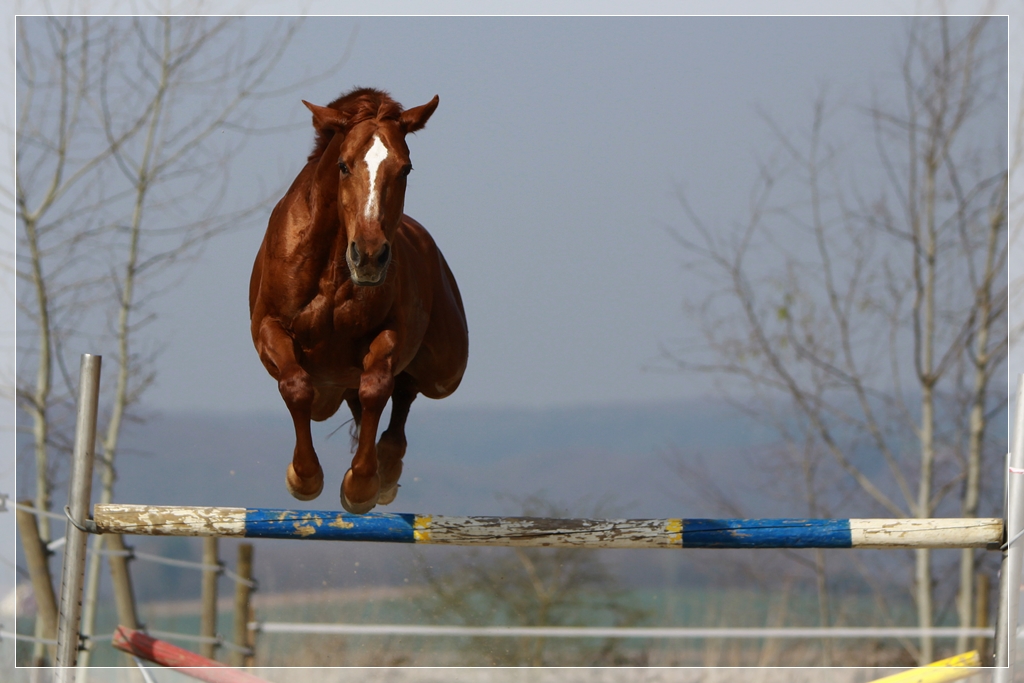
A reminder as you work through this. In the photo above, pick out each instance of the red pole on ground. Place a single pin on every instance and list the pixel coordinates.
(173, 657)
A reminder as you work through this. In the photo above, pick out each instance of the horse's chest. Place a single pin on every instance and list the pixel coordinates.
(355, 318)
(331, 330)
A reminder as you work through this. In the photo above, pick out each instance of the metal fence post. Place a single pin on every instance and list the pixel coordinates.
(79, 494)
(1013, 554)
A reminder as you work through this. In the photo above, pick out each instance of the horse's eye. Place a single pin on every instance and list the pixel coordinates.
(406, 170)
(344, 167)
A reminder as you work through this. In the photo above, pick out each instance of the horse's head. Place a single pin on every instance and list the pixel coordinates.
(371, 160)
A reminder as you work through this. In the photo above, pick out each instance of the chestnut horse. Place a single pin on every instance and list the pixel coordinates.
(350, 300)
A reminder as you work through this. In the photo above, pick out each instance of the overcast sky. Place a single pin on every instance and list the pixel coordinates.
(546, 175)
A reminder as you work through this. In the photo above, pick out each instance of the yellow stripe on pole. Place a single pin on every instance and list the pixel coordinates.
(952, 669)
(421, 529)
(674, 529)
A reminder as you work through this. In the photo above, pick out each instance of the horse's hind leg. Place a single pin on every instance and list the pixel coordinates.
(352, 399)
(392, 444)
(360, 486)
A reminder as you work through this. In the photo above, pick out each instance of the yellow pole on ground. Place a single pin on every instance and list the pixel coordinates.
(952, 669)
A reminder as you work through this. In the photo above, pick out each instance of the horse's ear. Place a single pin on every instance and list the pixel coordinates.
(325, 117)
(415, 118)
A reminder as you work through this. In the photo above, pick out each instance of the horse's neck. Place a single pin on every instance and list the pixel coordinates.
(323, 230)
(321, 195)
(307, 240)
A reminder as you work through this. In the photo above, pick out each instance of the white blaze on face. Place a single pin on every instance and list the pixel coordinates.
(374, 156)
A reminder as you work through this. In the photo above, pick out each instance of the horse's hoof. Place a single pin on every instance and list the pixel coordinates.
(359, 507)
(388, 497)
(306, 488)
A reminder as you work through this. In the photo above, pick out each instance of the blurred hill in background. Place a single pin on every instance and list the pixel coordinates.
(612, 461)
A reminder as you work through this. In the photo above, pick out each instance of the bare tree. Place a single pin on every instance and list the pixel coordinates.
(795, 466)
(123, 166)
(48, 174)
(532, 587)
(871, 324)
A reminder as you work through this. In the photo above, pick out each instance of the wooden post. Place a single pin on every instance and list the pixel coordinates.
(981, 590)
(124, 595)
(36, 556)
(243, 592)
(208, 618)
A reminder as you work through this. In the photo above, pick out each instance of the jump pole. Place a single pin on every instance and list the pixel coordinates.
(80, 490)
(544, 532)
(140, 645)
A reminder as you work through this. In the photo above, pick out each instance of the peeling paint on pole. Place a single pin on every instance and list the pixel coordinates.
(546, 532)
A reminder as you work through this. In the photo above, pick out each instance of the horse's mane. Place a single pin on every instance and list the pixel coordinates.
(358, 105)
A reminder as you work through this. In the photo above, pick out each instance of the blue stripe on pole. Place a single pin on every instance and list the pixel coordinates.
(329, 526)
(401, 528)
(766, 533)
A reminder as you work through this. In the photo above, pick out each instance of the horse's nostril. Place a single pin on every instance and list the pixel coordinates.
(354, 255)
(385, 254)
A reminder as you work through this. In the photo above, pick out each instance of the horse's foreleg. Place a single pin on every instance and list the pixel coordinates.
(305, 478)
(392, 444)
(361, 485)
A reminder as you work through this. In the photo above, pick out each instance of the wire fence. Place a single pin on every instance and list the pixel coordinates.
(616, 631)
(26, 638)
(132, 554)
